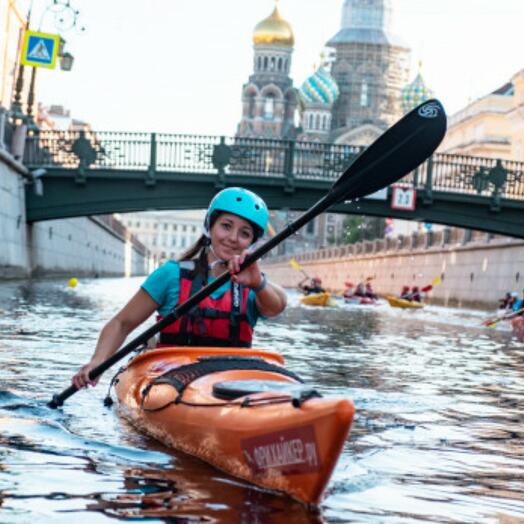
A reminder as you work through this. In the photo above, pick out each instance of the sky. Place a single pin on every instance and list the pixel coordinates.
(178, 66)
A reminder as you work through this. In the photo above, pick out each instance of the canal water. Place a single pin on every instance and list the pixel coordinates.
(438, 437)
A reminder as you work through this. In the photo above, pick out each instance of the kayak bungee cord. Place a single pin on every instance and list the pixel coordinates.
(248, 402)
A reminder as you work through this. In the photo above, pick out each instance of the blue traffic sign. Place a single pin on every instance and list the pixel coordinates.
(40, 49)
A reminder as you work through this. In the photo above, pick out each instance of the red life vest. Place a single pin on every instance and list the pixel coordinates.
(218, 322)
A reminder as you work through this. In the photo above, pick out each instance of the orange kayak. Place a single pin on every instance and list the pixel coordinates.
(241, 411)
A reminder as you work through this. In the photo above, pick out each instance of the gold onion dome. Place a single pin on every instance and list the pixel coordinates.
(273, 30)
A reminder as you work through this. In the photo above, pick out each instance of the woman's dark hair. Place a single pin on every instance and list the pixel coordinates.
(198, 253)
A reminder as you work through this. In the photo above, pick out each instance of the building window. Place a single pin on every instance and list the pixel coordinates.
(251, 106)
(269, 107)
(310, 228)
(364, 93)
(265, 63)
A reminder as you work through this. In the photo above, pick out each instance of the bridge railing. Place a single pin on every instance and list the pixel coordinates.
(219, 156)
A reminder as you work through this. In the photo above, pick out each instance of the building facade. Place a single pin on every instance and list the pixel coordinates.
(371, 67)
(12, 26)
(492, 126)
(167, 234)
(358, 91)
(269, 99)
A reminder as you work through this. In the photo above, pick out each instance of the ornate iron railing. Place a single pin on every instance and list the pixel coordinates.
(293, 160)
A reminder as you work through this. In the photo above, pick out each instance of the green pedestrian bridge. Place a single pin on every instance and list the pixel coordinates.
(91, 173)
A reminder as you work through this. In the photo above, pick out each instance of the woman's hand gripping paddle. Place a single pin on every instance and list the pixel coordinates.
(393, 155)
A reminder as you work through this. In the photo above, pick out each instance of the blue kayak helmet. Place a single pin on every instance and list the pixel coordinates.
(240, 202)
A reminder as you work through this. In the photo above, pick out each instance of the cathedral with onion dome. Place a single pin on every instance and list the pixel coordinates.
(360, 89)
(351, 98)
(269, 100)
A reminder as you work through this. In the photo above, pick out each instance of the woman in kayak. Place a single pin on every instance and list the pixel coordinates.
(235, 220)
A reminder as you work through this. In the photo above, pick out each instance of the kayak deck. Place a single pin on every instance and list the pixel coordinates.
(285, 438)
(317, 299)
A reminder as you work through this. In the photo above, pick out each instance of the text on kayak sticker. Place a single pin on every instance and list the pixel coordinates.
(290, 451)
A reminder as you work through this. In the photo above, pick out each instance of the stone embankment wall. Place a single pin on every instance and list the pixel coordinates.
(476, 269)
(76, 246)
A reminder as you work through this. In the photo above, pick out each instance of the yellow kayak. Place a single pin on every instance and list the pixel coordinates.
(318, 299)
(404, 304)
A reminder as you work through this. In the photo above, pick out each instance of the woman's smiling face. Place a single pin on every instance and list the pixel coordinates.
(230, 235)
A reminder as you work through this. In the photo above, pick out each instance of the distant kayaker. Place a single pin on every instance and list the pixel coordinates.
(518, 303)
(405, 294)
(507, 301)
(349, 291)
(369, 292)
(235, 220)
(360, 291)
(311, 285)
(415, 294)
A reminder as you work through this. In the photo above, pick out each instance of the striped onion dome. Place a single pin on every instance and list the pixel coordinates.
(415, 93)
(319, 88)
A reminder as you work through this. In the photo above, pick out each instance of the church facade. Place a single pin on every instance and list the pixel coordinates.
(358, 91)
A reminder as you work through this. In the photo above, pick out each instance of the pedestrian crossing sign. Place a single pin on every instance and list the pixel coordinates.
(40, 49)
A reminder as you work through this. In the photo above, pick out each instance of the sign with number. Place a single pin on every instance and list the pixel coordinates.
(404, 198)
(40, 49)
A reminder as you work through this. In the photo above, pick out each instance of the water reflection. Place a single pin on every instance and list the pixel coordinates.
(438, 436)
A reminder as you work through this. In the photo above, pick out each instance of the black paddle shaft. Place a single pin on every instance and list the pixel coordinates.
(393, 155)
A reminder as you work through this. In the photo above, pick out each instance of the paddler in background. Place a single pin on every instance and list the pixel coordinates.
(405, 294)
(507, 301)
(415, 294)
(360, 291)
(311, 285)
(369, 291)
(518, 303)
(349, 291)
(235, 220)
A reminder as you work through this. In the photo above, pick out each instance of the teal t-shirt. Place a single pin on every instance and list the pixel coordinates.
(163, 286)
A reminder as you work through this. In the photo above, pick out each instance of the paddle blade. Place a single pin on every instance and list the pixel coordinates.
(396, 153)
(295, 265)
(427, 289)
(436, 281)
